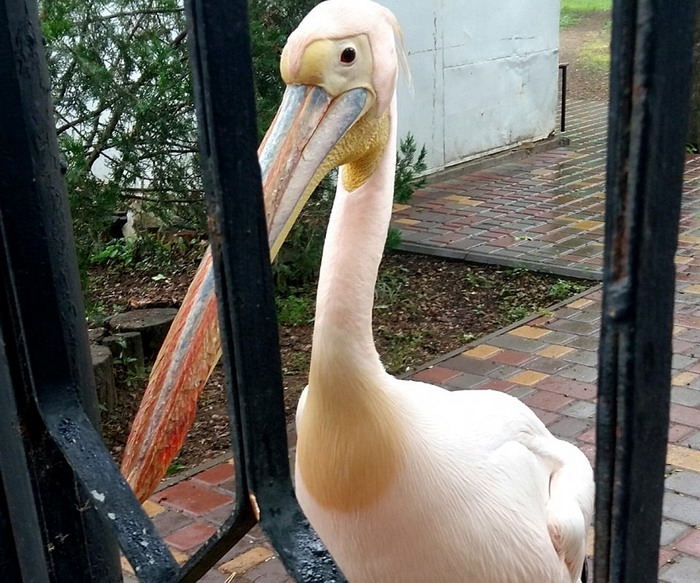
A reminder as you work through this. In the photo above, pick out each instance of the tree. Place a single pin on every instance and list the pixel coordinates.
(124, 108)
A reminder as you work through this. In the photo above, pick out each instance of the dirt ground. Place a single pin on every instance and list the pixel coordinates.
(424, 306)
(584, 46)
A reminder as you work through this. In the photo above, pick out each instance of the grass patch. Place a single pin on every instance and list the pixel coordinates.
(595, 55)
(571, 10)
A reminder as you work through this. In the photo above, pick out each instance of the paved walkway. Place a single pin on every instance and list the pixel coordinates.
(543, 212)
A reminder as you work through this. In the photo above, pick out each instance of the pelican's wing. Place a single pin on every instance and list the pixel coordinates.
(570, 505)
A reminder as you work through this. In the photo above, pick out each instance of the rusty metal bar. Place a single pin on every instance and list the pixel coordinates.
(650, 88)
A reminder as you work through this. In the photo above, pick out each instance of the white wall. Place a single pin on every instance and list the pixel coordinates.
(485, 74)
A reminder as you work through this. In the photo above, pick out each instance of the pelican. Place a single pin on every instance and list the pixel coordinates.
(403, 481)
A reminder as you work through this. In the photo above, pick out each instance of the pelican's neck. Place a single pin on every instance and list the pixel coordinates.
(343, 352)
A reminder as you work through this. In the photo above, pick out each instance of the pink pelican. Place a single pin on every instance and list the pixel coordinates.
(403, 481)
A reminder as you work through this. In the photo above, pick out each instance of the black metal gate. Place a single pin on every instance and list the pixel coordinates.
(65, 509)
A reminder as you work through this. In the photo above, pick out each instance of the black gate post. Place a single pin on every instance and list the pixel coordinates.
(43, 346)
(650, 90)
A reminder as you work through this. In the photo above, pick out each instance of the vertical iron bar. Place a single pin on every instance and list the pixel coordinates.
(223, 81)
(23, 539)
(41, 313)
(649, 88)
(564, 68)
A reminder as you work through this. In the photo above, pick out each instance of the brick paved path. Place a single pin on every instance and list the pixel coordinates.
(543, 212)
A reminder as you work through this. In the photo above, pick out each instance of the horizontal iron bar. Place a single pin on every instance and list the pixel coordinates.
(650, 88)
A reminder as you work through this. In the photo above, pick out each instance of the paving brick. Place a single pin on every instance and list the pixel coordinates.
(666, 556)
(547, 365)
(568, 427)
(170, 521)
(547, 417)
(193, 498)
(190, 537)
(682, 508)
(482, 351)
(498, 385)
(512, 357)
(690, 544)
(217, 475)
(678, 432)
(471, 365)
(518, 343)
(683, 570)
(683, 457)
(685, 396)
(152, 509)
(585, 357)
(527, 378)
(685, 415)
(672, 530)
(270, 571)
(685, 482)
(520, 391)
(555, 351)
(435, 374)
(246, 561)
(215, 576)
(568, 387)
(220, 515)
(465, 381)
(547, 400)
(581, 410)
(580, 372)
(529, 332)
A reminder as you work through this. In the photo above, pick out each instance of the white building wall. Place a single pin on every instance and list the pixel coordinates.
(485, 74)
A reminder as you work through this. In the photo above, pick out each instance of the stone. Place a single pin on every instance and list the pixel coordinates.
(152, 323)
(104, 377)
(96, 334)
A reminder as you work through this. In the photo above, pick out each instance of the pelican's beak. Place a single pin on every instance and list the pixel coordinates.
(298, 150)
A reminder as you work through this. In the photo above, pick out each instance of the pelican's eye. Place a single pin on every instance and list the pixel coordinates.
(348, 56)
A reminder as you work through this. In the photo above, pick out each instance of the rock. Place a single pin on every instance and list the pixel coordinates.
(153, 325)
(96, 334)
(104, 377)
(127, 350)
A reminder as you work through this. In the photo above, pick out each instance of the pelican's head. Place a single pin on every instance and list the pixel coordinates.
(340, 66)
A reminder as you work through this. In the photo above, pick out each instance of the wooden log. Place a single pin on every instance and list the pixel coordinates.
(104, 377)
(127, 350)
(153, 325)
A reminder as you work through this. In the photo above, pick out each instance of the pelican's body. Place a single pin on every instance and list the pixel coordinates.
(466, 502)
(405, 482)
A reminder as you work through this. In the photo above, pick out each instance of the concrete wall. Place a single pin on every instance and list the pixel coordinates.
(485, 74)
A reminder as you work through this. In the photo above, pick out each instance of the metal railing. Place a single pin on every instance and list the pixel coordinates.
(65, 510)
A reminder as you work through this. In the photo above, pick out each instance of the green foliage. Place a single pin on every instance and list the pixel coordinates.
(391, 288)
(294, 310)
(477, 280)
(146, 253)
(409, 169)
(562, 289)
(124, 110)
(572, 10)
(586, 5)
(393, 238)
(595, 55)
